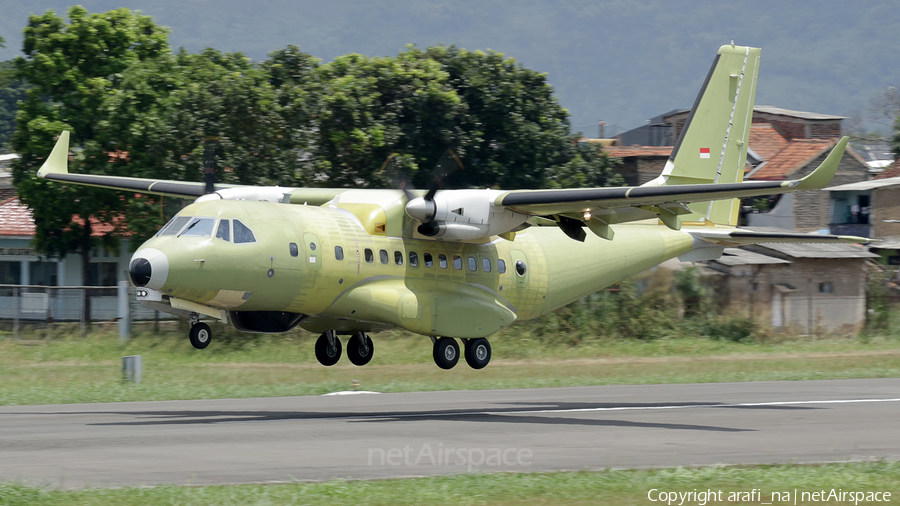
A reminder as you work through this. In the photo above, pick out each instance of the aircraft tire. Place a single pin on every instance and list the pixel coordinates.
(200, 335)
(360, 348)
(478, 353)
(446, 352)
(322, 352)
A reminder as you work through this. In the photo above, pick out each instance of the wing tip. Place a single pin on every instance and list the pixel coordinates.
(57, 162)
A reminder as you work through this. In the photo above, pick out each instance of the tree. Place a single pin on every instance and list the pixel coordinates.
(12, 91)
(590, 167)
(75, 66)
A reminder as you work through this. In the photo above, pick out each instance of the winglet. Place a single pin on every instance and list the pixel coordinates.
(57, 162)
(823, 174)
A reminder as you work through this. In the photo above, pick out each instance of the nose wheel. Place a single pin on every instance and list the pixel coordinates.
(328, 348)
(200, 335)
(360, 348)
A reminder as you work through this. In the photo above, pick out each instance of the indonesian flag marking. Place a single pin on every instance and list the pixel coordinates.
(704, 152)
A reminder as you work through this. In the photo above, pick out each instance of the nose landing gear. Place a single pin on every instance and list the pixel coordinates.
(200, 334)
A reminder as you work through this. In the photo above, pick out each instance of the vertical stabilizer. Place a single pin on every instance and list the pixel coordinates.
(712, 147)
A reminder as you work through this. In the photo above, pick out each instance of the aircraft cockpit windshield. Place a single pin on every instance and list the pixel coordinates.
(193, 226)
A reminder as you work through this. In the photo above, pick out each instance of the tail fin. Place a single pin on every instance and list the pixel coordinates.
(712, 147)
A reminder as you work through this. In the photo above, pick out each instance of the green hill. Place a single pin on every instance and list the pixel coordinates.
(619, 61)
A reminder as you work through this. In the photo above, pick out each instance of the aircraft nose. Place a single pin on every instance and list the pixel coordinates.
(140, 271)
(149, 268)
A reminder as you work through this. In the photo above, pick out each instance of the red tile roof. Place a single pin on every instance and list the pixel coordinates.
(624, 151)
(15, 218)
(765, 140)
(795, 155)
(892, 170)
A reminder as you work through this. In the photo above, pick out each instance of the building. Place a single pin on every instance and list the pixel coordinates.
(803, 288)
(867, 209)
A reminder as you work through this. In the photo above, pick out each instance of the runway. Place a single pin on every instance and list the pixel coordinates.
(281, 439)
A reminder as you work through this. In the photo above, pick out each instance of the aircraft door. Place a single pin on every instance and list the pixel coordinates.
(314, 254)
(519, 268)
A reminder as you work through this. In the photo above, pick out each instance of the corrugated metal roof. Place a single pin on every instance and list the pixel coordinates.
(797, 114)
(819, 250)
(866, 185)
(737, 256)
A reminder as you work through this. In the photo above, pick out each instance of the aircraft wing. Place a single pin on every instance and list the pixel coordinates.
(55, 168)
(727, 236)
(581, 200)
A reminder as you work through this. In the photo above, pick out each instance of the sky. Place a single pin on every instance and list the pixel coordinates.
(622, 62)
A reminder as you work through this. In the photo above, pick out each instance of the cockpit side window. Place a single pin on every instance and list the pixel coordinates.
(242, 233)
(175, 225)
(224, 231)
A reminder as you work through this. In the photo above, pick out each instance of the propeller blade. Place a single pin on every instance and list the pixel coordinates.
(446, 166)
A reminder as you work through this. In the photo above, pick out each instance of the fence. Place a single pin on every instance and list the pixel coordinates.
(38, 306)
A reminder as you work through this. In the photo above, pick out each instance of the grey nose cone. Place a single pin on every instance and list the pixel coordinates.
(140, 272)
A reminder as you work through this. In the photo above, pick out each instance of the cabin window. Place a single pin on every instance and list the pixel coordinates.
(442, 261)
(501, 266)
(398, 258)
(224, 231)
(413, 259)
(486, 264)
(242, 234)
(384, 256)
(429, 261)
(826, 287)
(294, 249)
(338, 253)
(312, 246)
(473, 264)
(175, 225)
(520, 268)
(370, 257)
(457, 262)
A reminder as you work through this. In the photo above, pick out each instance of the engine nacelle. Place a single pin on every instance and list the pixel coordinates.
(463, 215)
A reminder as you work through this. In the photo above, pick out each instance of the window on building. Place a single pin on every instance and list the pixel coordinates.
(486, 264)
(42, 273)
(826, 287)
(224, 231)
(473, 264)
(242, 233)
(413, 259)
(398, 258)
(295, 251)
(754, 286)
(442, 261)
(383, 254)
(429, 261)
(11, 273)
(338, 253)
(501, 266)
(102, 274)
(370, 256)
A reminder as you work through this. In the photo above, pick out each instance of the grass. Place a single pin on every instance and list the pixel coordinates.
(602, 487)
(71, 369)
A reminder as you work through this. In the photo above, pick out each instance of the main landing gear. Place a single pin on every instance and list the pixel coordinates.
(200, 334)
(446, 352)
(359, 348)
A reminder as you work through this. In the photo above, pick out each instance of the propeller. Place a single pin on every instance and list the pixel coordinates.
(423, 209)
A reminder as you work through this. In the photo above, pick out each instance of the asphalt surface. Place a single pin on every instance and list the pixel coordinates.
(282, 439)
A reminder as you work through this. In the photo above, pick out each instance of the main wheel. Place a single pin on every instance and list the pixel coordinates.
(446, 352)
(200, 335)
(325, 353)
(478, 352)
(360, 348)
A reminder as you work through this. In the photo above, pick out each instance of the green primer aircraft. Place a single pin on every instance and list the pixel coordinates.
(454, 264)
